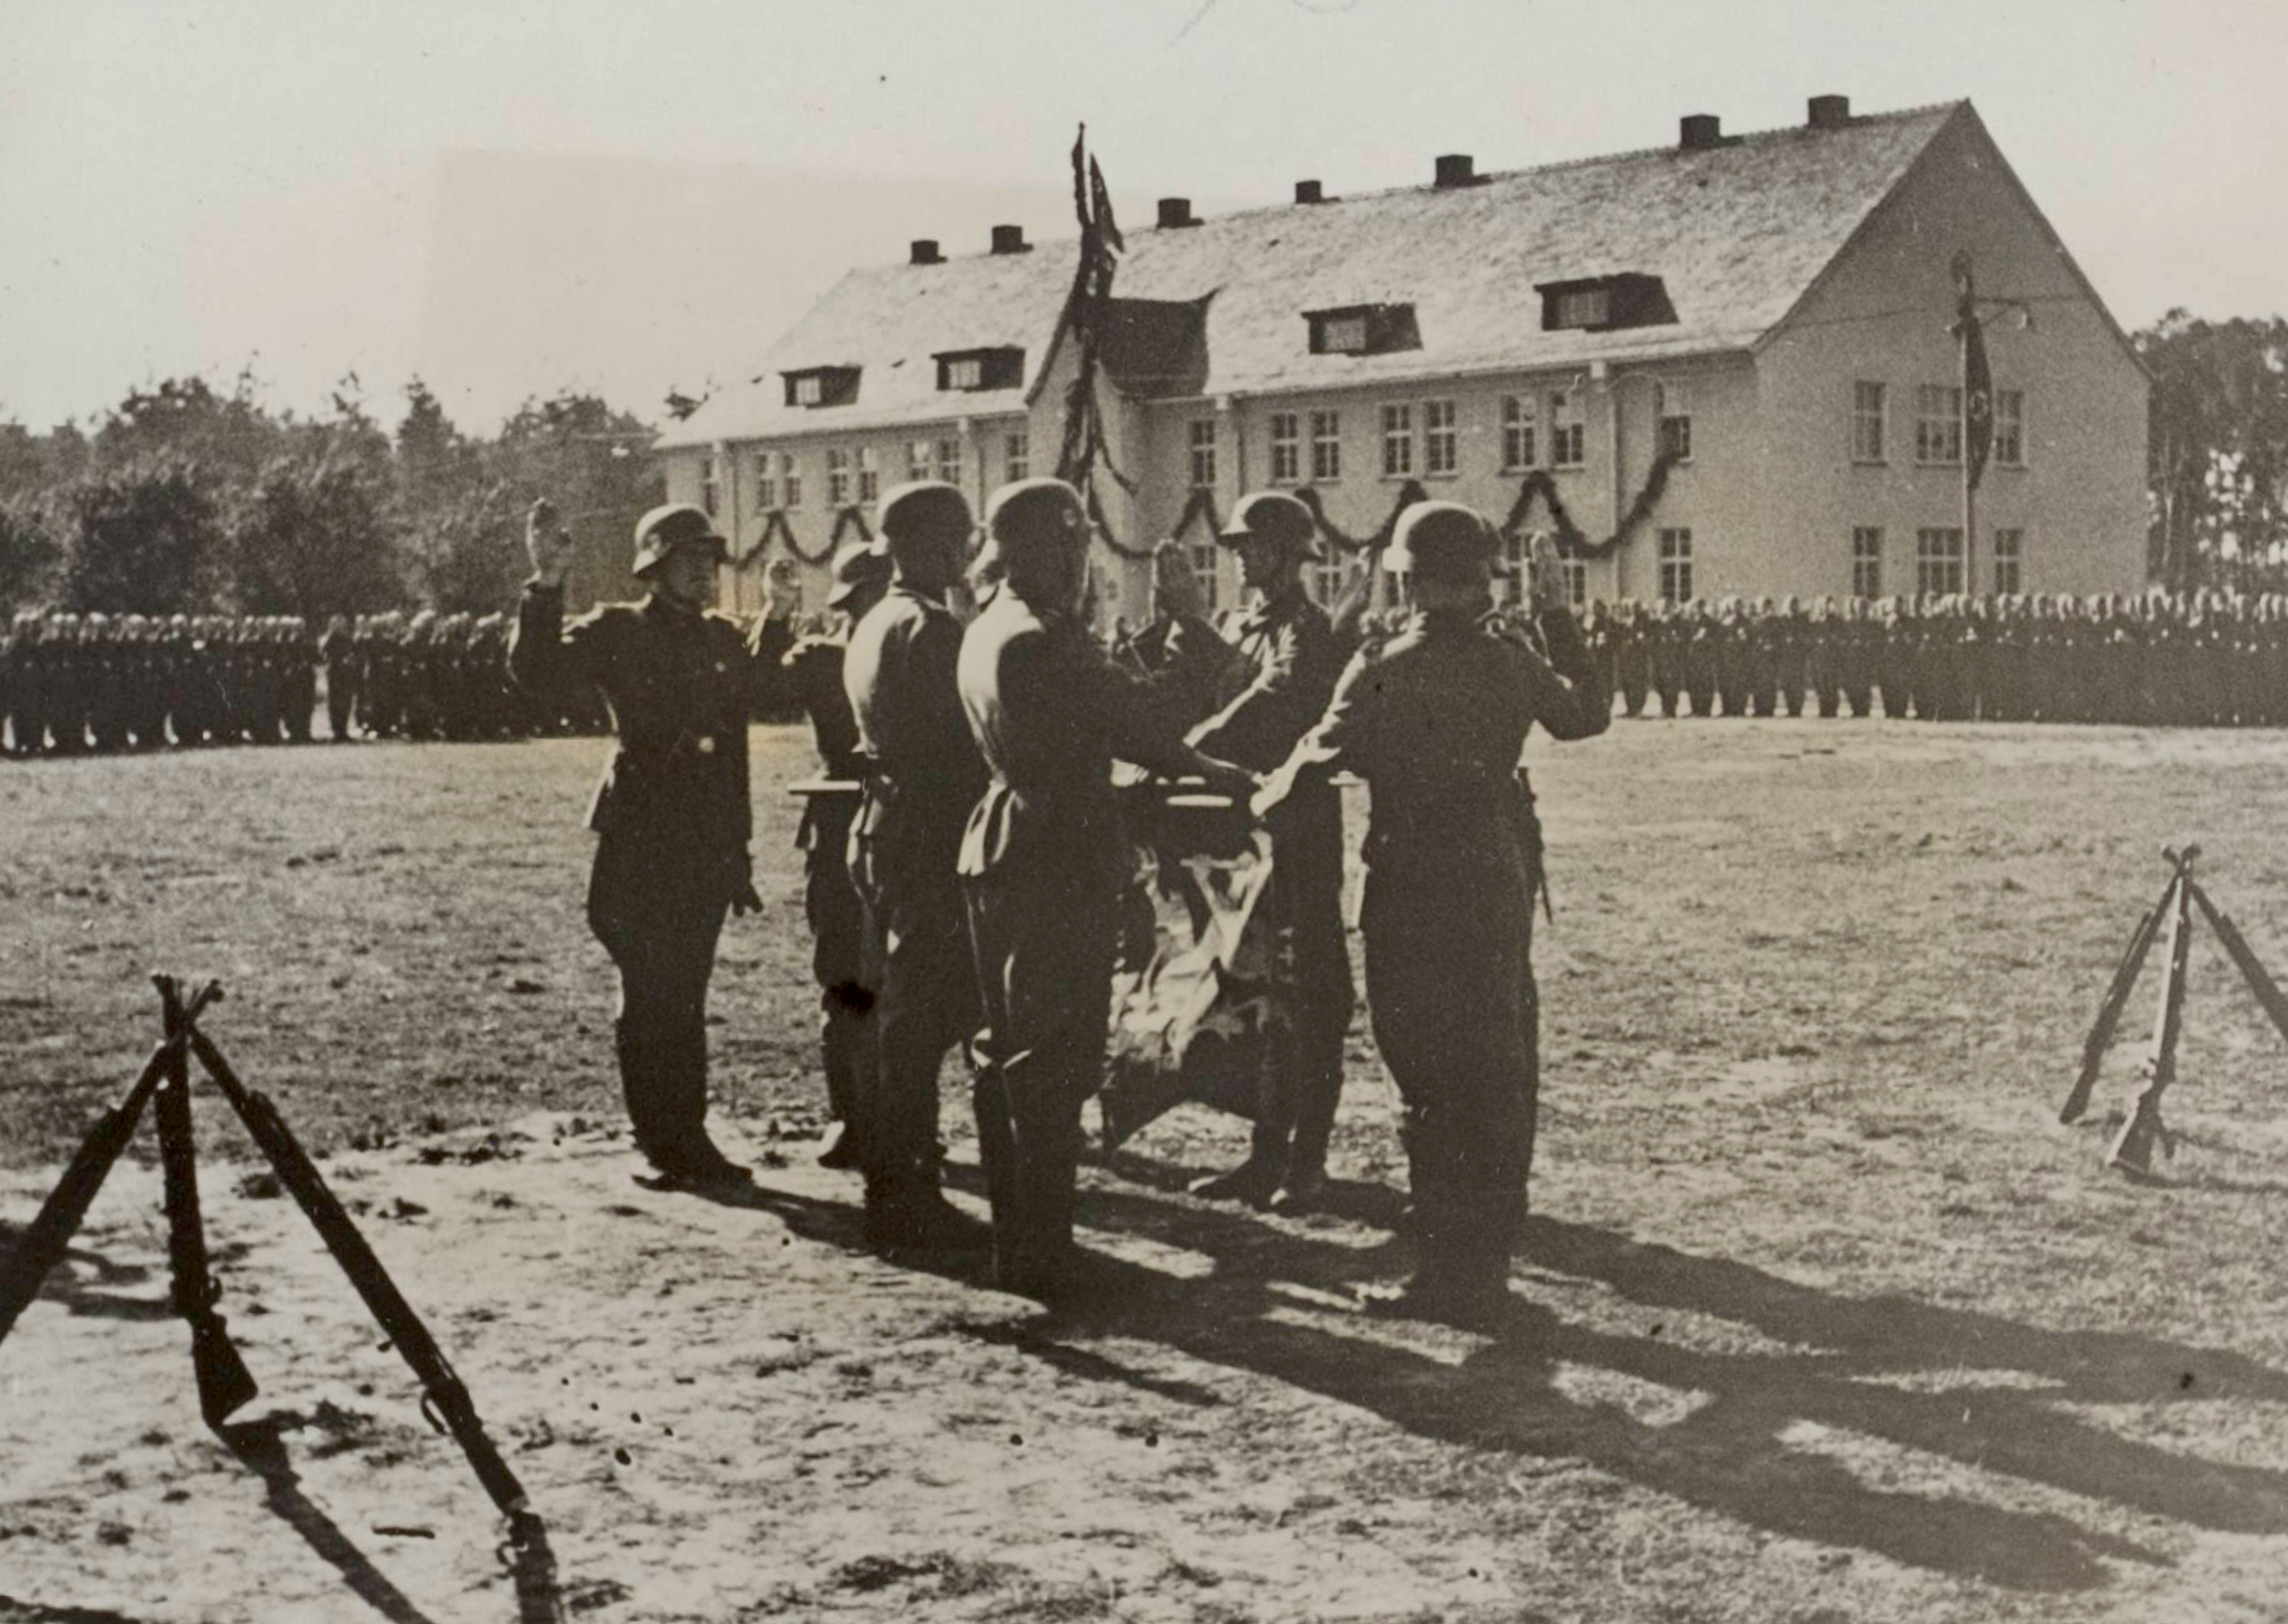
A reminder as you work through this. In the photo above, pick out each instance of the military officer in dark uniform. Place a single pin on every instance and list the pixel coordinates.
(1043, 861)
(671, 816)
(923, 776)
(1434, 721)
(847, 985)
(1289, 659)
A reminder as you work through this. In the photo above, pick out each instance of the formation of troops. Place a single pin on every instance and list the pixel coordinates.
(971, 897)
(73, 683)
(2200, 659)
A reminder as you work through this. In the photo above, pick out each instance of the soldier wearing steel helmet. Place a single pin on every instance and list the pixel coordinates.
(847, 982)
(1043, 861)
(1289, 658)
(923, 776)
(672, 815)
(1435, 720)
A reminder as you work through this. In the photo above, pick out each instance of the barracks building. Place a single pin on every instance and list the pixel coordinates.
(1768, 317)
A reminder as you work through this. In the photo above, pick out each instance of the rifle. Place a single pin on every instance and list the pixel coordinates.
(2117, 997)
(225, 1385)
(445, 1402)
(44, 1242)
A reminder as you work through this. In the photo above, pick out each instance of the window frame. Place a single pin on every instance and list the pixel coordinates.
(869, 477)
(1397, 439)
(1668, 395)
(1327, 446)
(767, 482)
(1521, 433)
(1673, 553)
(2010, 452)
(1017, 455)
(1940, 548)
(1867, 545)
(1569, 439)
(1939, 437)
(838, 475)
(1441, 437)
(952, 463)
(2009, 549)
(1200, 453)
(711, 485)
(1286, 448)
(1863, 416)
(790, 481)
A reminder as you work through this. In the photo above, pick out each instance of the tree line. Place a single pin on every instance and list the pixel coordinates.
(183, 498)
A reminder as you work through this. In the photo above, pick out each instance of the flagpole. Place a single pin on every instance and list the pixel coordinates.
(1965, 314)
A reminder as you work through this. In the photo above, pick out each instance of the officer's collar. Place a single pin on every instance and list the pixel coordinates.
(662, 606)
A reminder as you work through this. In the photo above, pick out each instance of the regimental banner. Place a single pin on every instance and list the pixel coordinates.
(1201, 994)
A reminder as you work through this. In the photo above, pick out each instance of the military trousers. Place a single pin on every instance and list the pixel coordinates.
(658, 911)
(1303, 1074)
(917, 923)
(838, 962)
(1455, 1015)
(1043, 944)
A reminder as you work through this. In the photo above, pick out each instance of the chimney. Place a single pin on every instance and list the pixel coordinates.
(1176, 211)
(1309, 191)
(1456, 168)
(925, 252)
(1830, 112)
(1700, 132)
(1010, 240)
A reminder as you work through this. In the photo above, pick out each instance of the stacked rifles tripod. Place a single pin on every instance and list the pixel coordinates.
(2132, 1146)
(224, 1384)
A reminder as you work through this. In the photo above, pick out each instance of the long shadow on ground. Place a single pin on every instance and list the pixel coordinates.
(1840, 1359)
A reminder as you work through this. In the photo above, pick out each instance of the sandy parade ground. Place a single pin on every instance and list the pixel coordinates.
(1822, 1317)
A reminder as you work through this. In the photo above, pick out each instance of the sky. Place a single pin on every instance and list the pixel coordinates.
(508, 200)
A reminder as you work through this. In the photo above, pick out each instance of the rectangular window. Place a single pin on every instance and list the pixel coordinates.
(1576, 573)
(1938, 560)
(918, 459)
(1326, 446)
(1017, 455)
(1207, 574)
(1286, 449)
(809, 390)
(1397, 441)
(2010, 429)
(790, 480)
(1676, 567)
(1519, 451)
(1866, 561)
(1584, 307)
(1568, 431)
(1938, 424)
(710, 491)
(1327, 579)
(949, 459)
(2009, 558)
(1868, 407)
(968, 372)
(1202, 436)
(1673, 405)
(1343, 336)
(1509, 570)
(869, 477)
(1440, 446)
(837, 477)
(767, 482)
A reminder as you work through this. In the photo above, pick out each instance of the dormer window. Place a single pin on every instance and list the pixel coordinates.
(1000, 367)
(1599, 303)
(1364, 329)
(816, 386)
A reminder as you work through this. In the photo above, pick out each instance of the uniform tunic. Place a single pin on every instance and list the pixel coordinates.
(672, 817)
(1434, 721)
(847, 983)
(923, 778)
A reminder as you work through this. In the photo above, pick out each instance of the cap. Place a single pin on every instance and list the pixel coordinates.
(1434, 536)
(909, 506)
(856, 567)
(670, 525)
(1036, 513)
(1272, 516)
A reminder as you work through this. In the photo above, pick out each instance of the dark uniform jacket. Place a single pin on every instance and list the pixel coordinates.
(924, 773)
(1050, 712)
(680, 687)
(1449, 807)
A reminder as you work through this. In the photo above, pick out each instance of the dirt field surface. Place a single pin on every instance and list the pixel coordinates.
(1822, 1317)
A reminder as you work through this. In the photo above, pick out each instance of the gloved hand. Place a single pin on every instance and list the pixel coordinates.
(744, 899)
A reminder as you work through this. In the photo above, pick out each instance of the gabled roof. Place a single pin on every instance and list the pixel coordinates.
(1737, 233)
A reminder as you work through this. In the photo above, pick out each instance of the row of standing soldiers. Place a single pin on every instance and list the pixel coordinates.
(75, 683)
(2190, 660)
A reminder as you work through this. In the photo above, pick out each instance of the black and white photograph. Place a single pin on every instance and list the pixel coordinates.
(1178, 811)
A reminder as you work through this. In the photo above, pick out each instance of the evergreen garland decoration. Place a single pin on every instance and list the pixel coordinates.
(1571, 539)
(1408, 494)
(778, 527)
